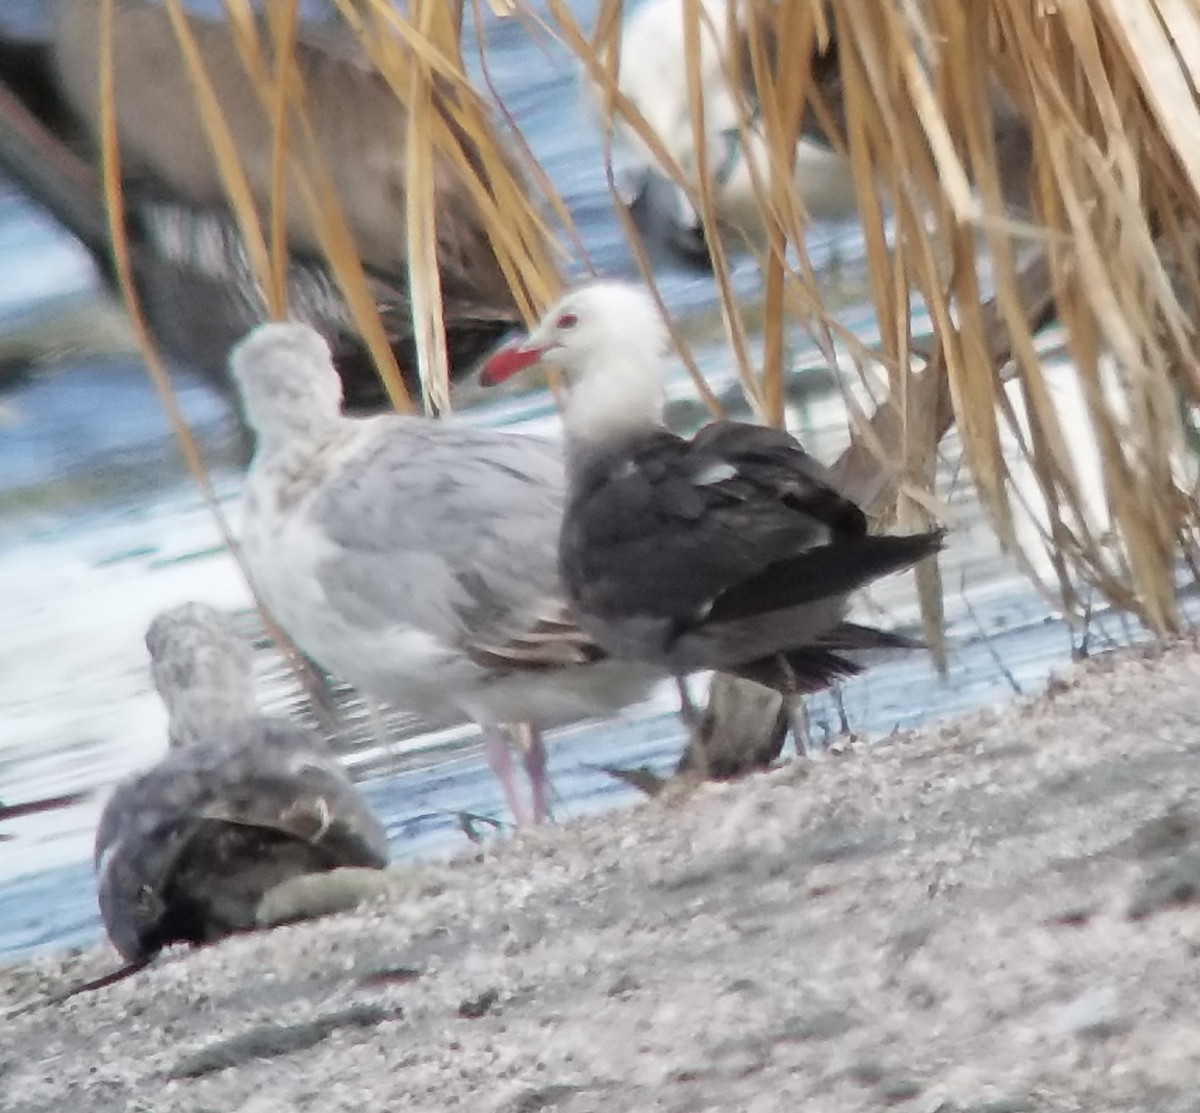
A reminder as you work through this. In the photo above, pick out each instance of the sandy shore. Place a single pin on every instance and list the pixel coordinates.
(991, 915)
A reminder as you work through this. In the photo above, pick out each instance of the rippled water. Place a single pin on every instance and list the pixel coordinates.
(100, 529)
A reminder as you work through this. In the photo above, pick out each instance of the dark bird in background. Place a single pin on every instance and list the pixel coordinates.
(191, 268)
(186, 851)
(730, 550)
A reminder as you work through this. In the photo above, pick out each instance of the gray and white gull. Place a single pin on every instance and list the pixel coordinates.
(731, 550)
(417, 559)
(241, 803)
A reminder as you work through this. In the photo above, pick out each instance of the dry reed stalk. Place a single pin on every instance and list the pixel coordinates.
(1104, 194)
(111, 183)
(1026, 151)
(465, 131)
(434, 22)
(1113, 189)
(598, 57)
(282, 96)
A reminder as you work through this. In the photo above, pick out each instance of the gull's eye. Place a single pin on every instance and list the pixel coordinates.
(567, 320)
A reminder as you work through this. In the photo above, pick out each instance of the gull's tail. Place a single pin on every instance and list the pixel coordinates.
(825, 572)
(812, 668)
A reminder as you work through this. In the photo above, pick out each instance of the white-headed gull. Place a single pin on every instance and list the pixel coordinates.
(186, 851)
(416, 559)
(731, 550)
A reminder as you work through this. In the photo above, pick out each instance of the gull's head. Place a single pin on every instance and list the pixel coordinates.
(202, 670)
(289, 387)
(610, 342)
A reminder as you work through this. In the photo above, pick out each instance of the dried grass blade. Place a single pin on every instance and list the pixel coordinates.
(1150, 54)
(233, 177)
(284, 18)
(421, 220)
(337, 244)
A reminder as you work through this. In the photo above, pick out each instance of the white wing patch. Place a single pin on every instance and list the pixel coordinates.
(714, 473)
(105, 857)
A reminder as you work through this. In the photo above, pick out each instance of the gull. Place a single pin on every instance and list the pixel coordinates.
(241, 803)
(730, 550)
(416, 559)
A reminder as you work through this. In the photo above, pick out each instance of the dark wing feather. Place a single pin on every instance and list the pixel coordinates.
(779, 464)
(799, 671)
(824, 572)
(727, 506)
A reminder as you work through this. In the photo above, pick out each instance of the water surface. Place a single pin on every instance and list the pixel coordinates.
(100, 529)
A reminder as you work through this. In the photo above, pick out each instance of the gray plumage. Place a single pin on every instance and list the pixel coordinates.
(474, 569)
(415, 559)
(186, 851)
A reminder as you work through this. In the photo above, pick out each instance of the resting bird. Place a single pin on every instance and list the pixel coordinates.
(186, 851)
(191, 267)
(731, 550)
(416, 559)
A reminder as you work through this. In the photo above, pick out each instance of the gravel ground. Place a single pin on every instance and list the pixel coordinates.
(988, 915)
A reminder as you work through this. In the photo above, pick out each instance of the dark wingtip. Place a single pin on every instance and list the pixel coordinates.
(930, 542)
(825, 571)
(893, 552)
(854, 635)
(799, 672)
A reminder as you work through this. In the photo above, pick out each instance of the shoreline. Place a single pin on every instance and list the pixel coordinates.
(985, 914)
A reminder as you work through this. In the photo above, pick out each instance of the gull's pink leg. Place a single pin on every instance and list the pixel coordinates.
(694, 721)
(499, 758)
(533, 757)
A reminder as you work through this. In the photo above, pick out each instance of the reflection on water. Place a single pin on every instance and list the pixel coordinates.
(100, 529)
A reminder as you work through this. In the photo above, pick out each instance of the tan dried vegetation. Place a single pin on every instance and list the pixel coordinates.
(1032, 157)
